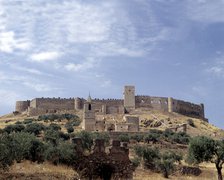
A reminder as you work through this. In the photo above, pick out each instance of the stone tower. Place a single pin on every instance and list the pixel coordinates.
(89, 121)
(129, 98)
(170, 104)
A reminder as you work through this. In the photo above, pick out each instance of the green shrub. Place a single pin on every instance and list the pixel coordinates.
(74, 119)
(21, 145)
(14, 128)
(70, 129)
(102, 135)
(87, 139)
(54, 126)
(36, 152)
(28, 121)
(64, 136)
(191, 122)
(6, 155)
(180, 137)
(152, 137)
(137, 137)
(61, 154)
(124, 137)
(18, 122)
(51, 136)
(136, 162)
(35, 128)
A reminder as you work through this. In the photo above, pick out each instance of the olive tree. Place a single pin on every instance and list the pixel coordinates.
(204, 149)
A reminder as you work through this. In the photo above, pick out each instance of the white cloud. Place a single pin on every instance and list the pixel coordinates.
(45, 56)
(216, 67)
(38, 87)
(199, 90)
(77, 67)
(8, 97)
(8, 42)
(106, 83)
(206, 11)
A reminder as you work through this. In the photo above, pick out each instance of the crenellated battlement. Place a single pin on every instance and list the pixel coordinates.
(112, 106)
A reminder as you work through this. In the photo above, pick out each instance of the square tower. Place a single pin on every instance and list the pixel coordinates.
(129, 98)
(89, 121)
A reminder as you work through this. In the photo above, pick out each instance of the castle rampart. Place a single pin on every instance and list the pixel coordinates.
(22, 106)
(187, 108)
(157, 103)
(53, 103)
(130, 102)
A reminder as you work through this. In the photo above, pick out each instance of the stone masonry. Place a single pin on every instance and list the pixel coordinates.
(129, 103)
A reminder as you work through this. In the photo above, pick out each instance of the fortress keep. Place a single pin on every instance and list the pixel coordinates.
(129, 103)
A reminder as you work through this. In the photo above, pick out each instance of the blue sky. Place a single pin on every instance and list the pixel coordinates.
(66, 48)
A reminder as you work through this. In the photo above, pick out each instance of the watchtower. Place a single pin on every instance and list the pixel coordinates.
(129, 98)
(89, 121)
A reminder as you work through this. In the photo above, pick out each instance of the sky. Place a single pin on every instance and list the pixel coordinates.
(68, 48)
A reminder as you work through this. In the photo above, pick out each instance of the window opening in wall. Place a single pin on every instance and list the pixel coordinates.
(89, 108)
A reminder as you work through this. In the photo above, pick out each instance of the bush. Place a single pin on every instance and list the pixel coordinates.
(51, 136)
(14, 128)
(191, 122)
(36, 152)
(124, 137)
(61, 154)
(180, 137)
(18, 122)
(54, 126)
(35, 128)
(136, 162)
(152, 137)
(154, 160)
(74, 119)
(64, 136)
(137, 137)
(27, 121)
(168, 133)
(21, 143)
(6, 155)
(102, 135)
(70, 129)
(87, 139)
(149, 155)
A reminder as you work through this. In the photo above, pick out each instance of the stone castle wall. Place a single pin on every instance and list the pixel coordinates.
(112, 106)
(53, 103)
(170, 105)
(22, 106)
(157, 103)
(188, 109)
(109, 106)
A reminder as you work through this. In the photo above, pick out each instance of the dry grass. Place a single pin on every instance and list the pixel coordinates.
(208, 173)
(30, 168)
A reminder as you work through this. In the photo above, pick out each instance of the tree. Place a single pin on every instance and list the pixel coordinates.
(149, 155)
(204, 149)
(87, 139)
(14, 128)
(6, 158)
(35, 128)
(21, 145)
(165, 164)
(63, 153)
(124, 137)
(137, 137)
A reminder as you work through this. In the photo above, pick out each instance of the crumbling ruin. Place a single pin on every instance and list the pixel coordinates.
(114, 164)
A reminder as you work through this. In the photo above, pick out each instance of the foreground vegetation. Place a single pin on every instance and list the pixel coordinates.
(33, 140)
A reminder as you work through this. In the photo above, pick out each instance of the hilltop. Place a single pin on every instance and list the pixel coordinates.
(148, 120)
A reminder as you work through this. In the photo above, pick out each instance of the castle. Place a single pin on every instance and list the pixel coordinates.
(124, 106)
